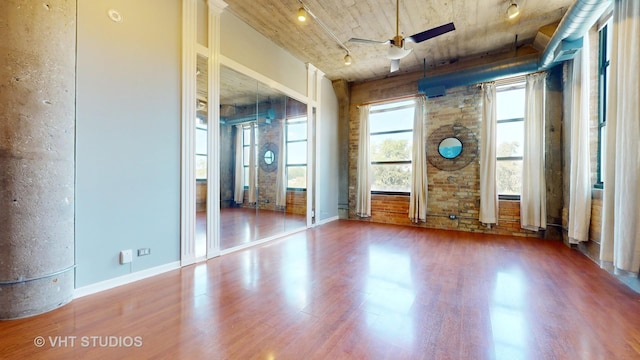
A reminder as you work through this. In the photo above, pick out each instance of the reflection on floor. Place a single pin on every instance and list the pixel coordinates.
(239, 226)
(354, 290)
(201, 234)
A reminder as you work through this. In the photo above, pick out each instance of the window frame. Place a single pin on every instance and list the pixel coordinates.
(200, 126)
(514, 86)
(245, 167)
(294, 121)
(392, 162)
(604, 68)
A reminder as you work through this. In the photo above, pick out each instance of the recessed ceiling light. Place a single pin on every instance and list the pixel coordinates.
(114, 15)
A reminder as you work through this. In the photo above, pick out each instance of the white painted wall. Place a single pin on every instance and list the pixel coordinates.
(328, 157)
(127, 136)
(128, 130)
(241, 43)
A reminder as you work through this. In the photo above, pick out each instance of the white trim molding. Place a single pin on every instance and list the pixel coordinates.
(328, 220)
(216, 7)
(213, 142)
(314, 91)
(188, 129)
(125, 279)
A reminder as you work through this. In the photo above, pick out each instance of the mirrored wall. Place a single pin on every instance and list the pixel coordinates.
(201, 160)
(263, 161)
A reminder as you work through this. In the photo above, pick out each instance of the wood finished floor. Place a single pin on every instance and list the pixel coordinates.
(239, 226)
(354, 290)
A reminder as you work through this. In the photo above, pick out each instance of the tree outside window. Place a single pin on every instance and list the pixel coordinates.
(296, 152)
(391, 142)
(510, 140)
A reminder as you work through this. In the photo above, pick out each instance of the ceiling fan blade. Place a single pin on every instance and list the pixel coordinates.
(431, 33)
(367, 41)
(395, 65)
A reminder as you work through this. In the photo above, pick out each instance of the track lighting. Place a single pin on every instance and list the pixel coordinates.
(302, 14)
(304, 11)
(347, 59)
(513, 10)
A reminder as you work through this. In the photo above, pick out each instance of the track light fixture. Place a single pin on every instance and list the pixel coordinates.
(347, 59)
(303, 11)
(513, 10)
(302, 14)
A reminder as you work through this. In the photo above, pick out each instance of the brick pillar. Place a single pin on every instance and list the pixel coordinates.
(37, 139)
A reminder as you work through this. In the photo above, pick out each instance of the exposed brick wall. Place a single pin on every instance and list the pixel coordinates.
(453, 192)
(296, 202)
(201, 195)
(595, 227)
(227, 161)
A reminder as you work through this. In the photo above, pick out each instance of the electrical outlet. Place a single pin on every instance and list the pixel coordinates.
(126, 256)
(144, 251)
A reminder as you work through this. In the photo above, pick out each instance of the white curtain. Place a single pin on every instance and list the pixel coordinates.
(238, 188)
(252, 166)
(580, 166)
(363, 192)
(281, 177)
(533, 210)
(418, 198)
(620, 241)
(488, 191)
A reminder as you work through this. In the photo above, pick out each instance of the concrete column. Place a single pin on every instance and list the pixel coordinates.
(37, 140)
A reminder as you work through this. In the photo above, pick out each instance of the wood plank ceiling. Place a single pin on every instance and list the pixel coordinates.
(482, 28)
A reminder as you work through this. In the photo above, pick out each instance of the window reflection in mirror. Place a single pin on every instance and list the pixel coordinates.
(269, 157)
(201, 120)
(260, 120)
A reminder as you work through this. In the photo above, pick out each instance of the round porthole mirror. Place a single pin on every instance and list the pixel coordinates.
(269, 157)
(450, 148)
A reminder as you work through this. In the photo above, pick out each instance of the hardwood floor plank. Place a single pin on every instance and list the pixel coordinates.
(352, 290)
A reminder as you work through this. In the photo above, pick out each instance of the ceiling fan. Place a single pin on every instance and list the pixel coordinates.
(397, 50)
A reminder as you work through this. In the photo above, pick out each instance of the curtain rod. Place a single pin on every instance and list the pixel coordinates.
(414, 96)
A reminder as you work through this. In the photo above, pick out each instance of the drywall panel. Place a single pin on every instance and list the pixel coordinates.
(241, 43)
(127, 135)
(328, 157)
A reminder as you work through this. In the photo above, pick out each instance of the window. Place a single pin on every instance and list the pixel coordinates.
(296, 138)
(604, 69)
(509, 139)
(246, 146)
(201, 149)
(391, 141)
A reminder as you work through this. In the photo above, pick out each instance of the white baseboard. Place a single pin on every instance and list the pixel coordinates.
(328, 220)
(126, 279)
